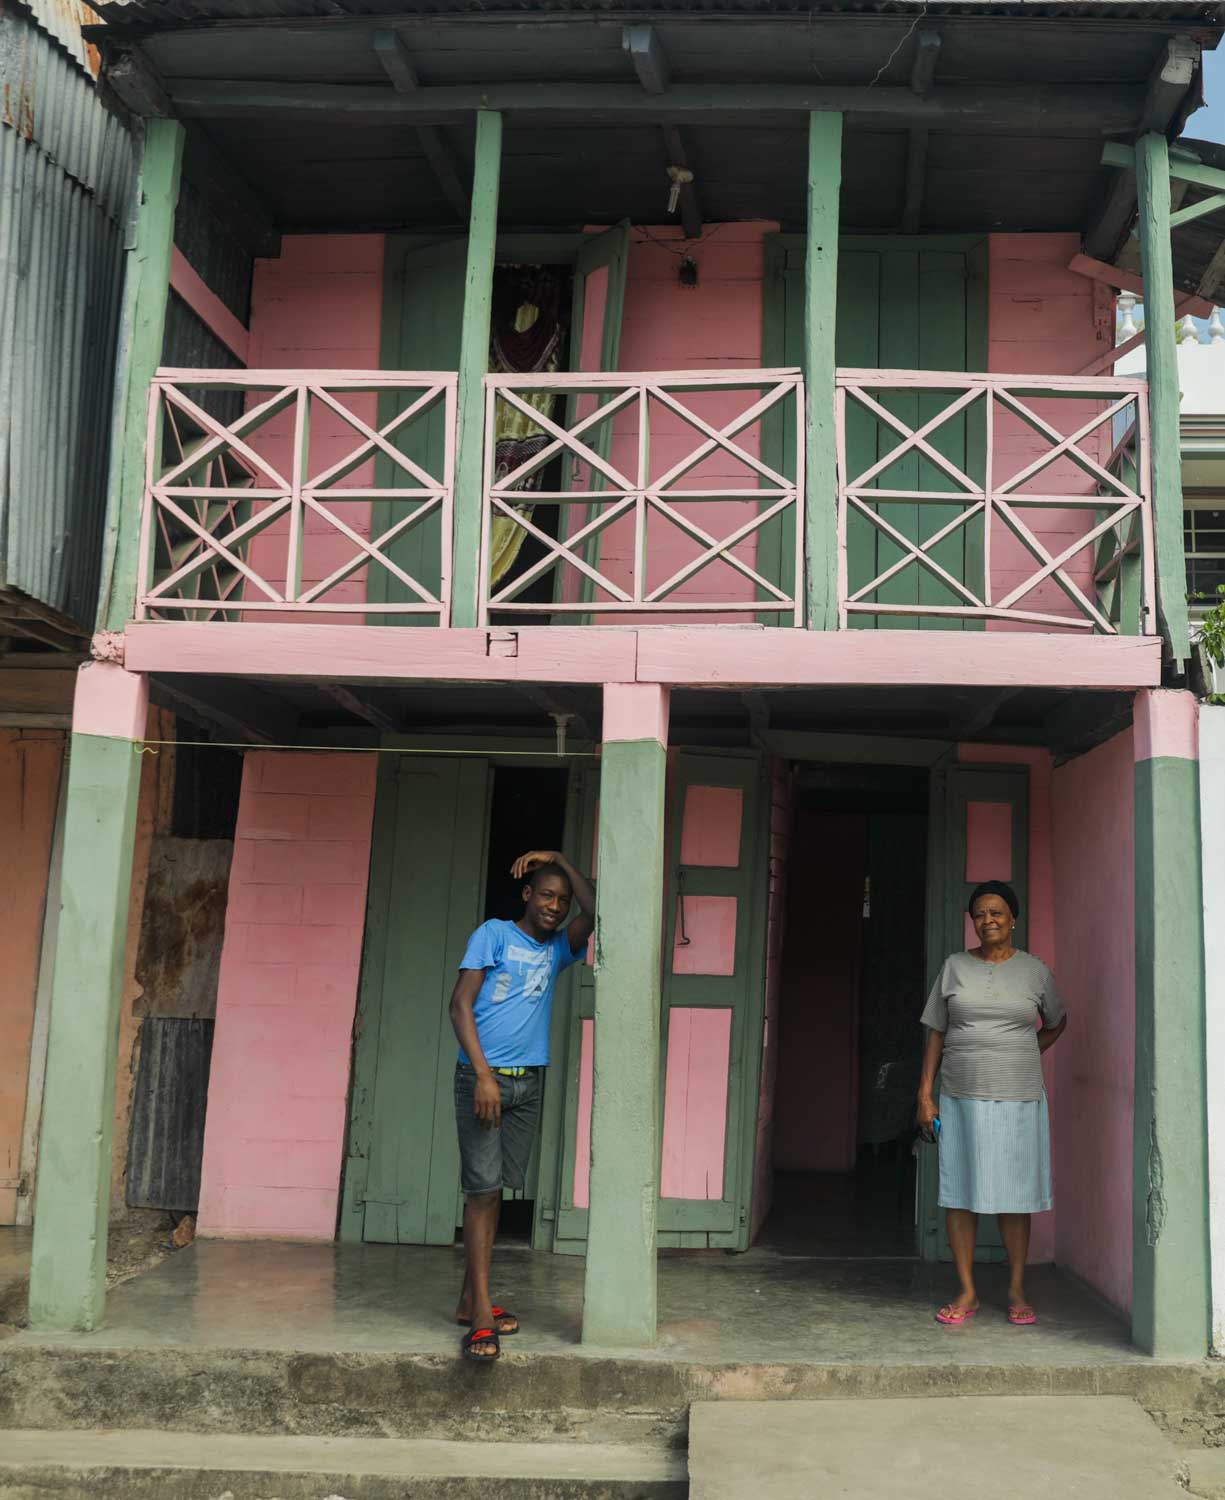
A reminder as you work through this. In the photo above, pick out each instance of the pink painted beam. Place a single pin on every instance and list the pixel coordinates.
(787, 658)
(111, 701)
(383, 653)
(186, 281)
(714, 656)
(1167, 726)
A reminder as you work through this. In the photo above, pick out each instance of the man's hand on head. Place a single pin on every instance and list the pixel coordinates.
(526, 863)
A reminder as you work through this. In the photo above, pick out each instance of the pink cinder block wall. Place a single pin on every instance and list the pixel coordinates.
(286, 996)
(1094, 867)
(318, 307)
(715, 325)
(1043, 935)
(1045, 320)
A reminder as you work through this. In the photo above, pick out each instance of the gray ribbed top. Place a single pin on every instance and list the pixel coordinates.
(988, 1014)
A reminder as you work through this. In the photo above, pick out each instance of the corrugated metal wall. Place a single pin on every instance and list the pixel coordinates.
(66, 171)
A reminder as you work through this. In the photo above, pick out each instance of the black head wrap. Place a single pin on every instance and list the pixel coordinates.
(995, 888)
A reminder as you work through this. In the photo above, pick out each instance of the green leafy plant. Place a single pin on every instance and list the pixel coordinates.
(1212, 630)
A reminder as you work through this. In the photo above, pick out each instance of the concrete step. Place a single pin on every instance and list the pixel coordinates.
(82, 1383)
(132, 1465)
(1072, 1447)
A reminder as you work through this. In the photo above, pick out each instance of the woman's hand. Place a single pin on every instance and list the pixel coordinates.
(926, 1116)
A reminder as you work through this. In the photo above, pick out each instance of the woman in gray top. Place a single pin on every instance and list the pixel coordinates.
(991, 1014)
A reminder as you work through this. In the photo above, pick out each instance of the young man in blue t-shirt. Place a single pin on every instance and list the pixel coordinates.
(500, 1008)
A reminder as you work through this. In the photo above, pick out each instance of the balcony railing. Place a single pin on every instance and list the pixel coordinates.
(1023, 501)
(642, 496)
(281, 492)
(936, 473)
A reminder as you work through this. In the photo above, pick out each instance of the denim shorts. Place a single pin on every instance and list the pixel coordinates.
(491, 1159)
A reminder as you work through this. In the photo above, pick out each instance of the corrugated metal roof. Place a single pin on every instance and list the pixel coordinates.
(66, 174)
(175, 13)
(63, 20)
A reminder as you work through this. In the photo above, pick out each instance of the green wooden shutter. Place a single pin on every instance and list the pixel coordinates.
(423, 308)
(427, 891)
(903, 303)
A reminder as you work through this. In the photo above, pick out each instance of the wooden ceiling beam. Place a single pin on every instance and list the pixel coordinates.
(240, 712)
(1089, 109)
(1169, 84)
(1214, 274)
(358, 705)
(928, 41)
(642, 46)
(398, 65)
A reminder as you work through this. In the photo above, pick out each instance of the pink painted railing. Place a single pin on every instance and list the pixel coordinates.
(654, 502)
(914, 446)
(251, 515)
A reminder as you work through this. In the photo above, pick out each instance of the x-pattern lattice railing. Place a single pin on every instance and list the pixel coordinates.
(214, 487)
(607, 479)
(1115, 498)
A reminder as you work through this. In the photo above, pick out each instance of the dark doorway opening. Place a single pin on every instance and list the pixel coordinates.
(852, 988)
(527, 811)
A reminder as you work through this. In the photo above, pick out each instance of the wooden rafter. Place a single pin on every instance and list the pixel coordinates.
(928, 42)
(1047, 109)
(644, 49)
(1168, 86)
(393, 54)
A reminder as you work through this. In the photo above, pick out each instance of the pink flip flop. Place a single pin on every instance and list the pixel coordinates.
(953, 1317)
(1022, 1317)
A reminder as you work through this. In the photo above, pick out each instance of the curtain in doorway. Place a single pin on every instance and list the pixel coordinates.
(526, 337)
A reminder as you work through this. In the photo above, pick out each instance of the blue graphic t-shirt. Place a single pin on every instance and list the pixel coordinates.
(515, 1002)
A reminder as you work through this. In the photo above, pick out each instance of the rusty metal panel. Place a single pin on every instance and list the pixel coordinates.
(183, 925)
(63, 20)
(166, 1146)
(66, 176)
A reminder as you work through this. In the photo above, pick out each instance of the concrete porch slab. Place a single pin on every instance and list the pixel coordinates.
(1011, 1448)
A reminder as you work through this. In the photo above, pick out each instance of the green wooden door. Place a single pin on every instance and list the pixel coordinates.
(427, 888)
(714, 946)
(908, 304)
(423, 309)
(978, 830)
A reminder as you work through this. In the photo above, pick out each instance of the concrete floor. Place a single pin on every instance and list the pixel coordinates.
(14, 1269)
(762, 1307)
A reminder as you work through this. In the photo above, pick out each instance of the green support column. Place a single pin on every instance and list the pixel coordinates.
(474, 365)
(619, 1288)
(68, 1269)
(1153, 187)
(146, 291)
(1170, 1252)
(820, 309)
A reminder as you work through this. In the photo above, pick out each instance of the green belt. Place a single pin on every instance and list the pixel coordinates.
(513, 1072)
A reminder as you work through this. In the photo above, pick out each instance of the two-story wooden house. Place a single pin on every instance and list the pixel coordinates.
(689, 438)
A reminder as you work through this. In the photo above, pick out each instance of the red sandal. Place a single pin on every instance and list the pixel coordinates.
(480, 1338)
(954, 1317)
(499, 1315)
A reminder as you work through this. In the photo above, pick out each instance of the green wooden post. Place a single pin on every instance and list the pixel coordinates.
(146, 291)
(474, 365)
(68, 1269)
(619, 1290)
(1170, 1252)
(820, 307)
(1153, 180)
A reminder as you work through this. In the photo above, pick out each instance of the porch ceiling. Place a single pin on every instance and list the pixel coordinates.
(304, 107)
(281, 711)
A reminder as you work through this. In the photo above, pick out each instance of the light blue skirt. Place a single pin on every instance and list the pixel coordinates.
(995, 1155)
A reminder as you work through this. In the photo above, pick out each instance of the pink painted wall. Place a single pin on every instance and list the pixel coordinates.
(1094, 865)
(29, 788)
(286, 995)
(1042, 319)
(1042, 934)
(715, 325)
(817, 1103)
(781, 812)
(318, 306)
